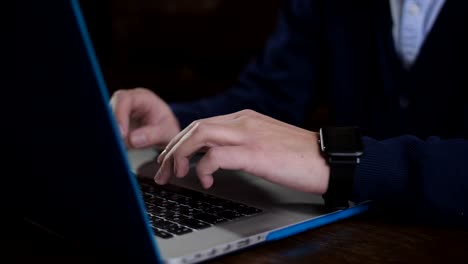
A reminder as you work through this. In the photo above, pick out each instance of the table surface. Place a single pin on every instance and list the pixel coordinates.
(362, 239)
(367, 238)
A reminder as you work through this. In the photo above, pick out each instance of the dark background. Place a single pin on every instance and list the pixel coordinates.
(181, 49)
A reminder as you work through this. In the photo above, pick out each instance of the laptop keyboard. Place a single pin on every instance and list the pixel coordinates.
(175, 211)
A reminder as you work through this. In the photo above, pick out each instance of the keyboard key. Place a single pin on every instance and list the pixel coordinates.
(212, 219)
(174, 210)
(215, 210)
(194, 223)
(179, 230)
(163, 224)
(177, 218)
(229, 214)
(189, 211)
(162, 234)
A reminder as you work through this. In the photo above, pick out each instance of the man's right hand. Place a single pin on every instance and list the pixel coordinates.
(144, 118)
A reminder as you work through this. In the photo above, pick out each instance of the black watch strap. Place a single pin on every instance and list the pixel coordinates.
(340, 185)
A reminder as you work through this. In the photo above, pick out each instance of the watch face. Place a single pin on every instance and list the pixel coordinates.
(345, 141)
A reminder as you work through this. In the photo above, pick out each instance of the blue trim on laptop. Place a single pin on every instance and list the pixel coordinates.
(318, 222)
(105, 97)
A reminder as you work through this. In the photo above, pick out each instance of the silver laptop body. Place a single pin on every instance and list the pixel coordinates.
(284, 212)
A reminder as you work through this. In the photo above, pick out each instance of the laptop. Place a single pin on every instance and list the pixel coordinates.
(77, 181)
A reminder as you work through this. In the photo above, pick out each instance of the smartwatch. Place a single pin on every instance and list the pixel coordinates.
(342, 148)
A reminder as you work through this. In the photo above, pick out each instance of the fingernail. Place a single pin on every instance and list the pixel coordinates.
(160, 157)
(138, 140)
(157, 178)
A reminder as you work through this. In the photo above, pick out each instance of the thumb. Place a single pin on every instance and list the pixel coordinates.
(145, 136)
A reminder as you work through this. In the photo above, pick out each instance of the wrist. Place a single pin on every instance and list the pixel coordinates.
(324, 169)
(324, 176)
(320, 168)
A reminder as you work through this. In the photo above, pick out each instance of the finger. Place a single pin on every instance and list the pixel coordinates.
(146, 136)
(177, 138)
(200, 136)
(121, 106)
(166, 170)
(174, 141)
(227, 157)
(162, 176)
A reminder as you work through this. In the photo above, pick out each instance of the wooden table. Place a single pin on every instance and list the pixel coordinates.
(363, 239)
(367, 238)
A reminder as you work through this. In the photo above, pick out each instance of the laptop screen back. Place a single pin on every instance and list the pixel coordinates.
(71, 173)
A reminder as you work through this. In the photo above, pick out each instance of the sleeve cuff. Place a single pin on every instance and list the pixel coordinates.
(382, 175)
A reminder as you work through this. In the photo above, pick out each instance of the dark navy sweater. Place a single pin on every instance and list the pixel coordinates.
(415, 121)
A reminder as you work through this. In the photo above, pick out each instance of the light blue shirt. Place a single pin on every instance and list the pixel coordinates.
(412, 22)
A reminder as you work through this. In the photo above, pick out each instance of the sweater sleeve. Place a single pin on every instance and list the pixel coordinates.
(419, 179)
(278, 82)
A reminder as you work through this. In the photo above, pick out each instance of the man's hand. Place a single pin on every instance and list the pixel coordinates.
(144, 119)
(251, 142)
